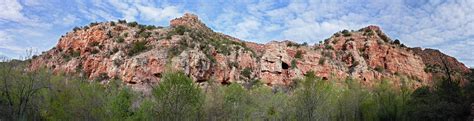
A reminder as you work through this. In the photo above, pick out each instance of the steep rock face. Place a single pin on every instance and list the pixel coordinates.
(436, 61)
(140, 54)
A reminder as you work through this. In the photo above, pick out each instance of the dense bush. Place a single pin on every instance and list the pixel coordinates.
(322, 61)
(379, 68)
(119, 40)
(299, 54)
(346, 33)
(293, 64)
(145, 34)
(246, 72)
(397, 42)
(40, 95)
(137, 47)
(94, 43)
(76, 29)
(122, 21)
(132, 24)
(292, 44)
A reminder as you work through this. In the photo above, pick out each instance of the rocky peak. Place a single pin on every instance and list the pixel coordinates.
(190, 21)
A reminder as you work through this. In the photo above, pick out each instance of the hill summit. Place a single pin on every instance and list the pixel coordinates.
(140, 54)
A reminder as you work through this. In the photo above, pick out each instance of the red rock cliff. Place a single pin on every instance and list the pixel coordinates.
(139, 54)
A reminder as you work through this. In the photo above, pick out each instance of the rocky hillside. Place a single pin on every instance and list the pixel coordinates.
(140, 54)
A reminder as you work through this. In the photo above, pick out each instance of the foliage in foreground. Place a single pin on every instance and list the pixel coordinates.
(41, 95)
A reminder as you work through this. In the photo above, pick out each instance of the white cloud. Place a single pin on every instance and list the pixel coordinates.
(67, 20)
(244, 29)
(11, 11)
(158, 14)
(6, 40)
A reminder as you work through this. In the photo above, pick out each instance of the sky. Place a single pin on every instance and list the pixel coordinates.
(446, 25)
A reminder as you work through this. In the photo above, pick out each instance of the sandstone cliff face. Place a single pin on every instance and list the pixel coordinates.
(139, 55)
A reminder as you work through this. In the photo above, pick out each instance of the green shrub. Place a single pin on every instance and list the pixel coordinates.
(94, 43)
(379, 69)
(246, 72)
(355, 63)
(293, 64)
(346, 33)
(304, 44)
(299, 54)
(334, 41)
(76, 29)
(397, 42)
(120, 105)
(150, 27)
(122, 21)
(329, 47)
(75, 53)
(132, 24)
(114, 50)
(292, 44)
(236, 102)
(180, 30)
(322, 61)
(119, 40)
(93, 24)
(145, 34)
(94, 51)
(137, 47)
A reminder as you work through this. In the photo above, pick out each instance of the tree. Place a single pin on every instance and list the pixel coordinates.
(20, 91)
(397, 42)
(312, 99)
(236, 102)
(445, 101)
(74, 99)
(120, 104)
(178, 98)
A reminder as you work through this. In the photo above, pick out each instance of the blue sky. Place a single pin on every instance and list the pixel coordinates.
(444, 25)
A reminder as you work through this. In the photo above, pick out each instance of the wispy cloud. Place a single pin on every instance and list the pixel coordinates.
(11, 11)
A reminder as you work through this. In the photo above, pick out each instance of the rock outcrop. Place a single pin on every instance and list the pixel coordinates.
(140, 54)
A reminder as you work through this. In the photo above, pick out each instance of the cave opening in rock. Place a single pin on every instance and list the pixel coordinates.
(158, 75)
(201, 80)
(284, 65)
(225, 82)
